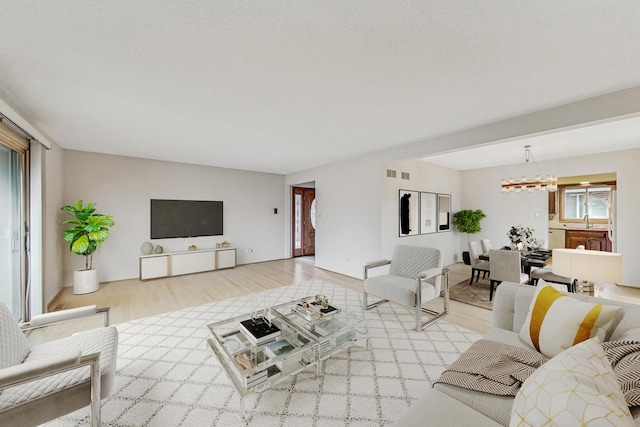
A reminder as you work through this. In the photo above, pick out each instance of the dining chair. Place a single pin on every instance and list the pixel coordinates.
(506, 266)
(486, 246)
(415, 275)
(546, 273)
(477, 265)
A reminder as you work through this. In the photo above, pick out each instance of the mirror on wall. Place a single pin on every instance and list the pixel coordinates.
(409, 213)
(444, 212)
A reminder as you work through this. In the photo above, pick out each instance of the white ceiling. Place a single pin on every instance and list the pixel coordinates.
(599, 138)
(282, 86)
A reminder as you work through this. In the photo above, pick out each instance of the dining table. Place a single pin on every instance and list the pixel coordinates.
(530, 258)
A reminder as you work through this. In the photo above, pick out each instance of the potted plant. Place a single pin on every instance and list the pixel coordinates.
(87, 233)
(522, 237)
(468, 221)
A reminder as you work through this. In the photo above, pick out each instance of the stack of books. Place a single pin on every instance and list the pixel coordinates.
(271, 373)
(309, 311)
(259, 330)
(340, 330)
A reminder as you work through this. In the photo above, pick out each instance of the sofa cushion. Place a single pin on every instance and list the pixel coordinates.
(556, 321)
(577, 387)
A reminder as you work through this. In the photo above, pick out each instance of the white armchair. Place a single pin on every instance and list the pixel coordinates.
(44, 382)
(415, 275)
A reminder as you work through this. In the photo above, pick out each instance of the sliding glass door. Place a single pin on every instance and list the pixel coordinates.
(12, 250)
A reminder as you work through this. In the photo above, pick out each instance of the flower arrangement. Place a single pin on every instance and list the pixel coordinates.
(522, 237)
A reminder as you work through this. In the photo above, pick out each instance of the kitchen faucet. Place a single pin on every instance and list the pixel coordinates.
(586, 218)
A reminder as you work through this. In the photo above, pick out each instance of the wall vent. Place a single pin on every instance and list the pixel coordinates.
(405, 175)
(391, 173)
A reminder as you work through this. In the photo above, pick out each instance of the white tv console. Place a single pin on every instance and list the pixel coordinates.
(176, 263)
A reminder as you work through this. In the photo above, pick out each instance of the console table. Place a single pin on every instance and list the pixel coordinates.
(186, 262)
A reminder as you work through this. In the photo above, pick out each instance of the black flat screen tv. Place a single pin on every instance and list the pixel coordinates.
(185, 218)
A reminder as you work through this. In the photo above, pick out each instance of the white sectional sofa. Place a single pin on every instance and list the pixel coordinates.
(448, 405)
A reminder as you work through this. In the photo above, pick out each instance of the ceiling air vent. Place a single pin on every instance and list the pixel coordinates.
(405, 175)
(391, 173)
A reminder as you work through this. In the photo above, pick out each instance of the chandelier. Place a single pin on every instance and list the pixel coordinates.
(512, 185)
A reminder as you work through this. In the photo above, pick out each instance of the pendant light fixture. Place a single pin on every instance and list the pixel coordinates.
(511, 185)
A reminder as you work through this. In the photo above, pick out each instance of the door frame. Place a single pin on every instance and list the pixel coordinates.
(304, 192)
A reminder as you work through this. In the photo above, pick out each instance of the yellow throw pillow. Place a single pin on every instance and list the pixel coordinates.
(576, 388)
(557, 321)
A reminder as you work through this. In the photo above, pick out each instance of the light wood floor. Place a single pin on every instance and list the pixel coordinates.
(133, 299)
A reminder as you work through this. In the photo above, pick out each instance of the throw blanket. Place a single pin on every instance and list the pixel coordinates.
(493, 367)
(625, 360)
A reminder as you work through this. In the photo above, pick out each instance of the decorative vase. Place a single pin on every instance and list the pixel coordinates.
(158, 250)
(85, 281)
(146, 248)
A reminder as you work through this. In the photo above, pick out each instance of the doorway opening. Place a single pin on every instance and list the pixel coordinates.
(303, 221)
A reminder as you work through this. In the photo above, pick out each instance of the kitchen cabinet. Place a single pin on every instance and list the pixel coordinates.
(595, 240)
(553, 197)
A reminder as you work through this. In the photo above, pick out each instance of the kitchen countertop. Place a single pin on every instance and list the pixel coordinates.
(596, 227)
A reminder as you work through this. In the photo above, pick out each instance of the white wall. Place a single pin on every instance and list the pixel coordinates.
(481, 190)
(350, 193)
(347, 213)
(423, 177)
(123, 186)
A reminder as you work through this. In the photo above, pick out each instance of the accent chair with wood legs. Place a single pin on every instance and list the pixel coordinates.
(43, 382)
(415, 275)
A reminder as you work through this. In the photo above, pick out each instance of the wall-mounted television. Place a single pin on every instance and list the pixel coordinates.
(185, 218)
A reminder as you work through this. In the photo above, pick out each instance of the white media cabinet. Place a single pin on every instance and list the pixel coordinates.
(176, 263)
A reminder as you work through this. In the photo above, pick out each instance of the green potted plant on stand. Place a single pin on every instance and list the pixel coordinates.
(87, 233)
(468, 221)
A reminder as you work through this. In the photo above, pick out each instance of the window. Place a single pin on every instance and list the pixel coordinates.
(13, 152)
(578, 201)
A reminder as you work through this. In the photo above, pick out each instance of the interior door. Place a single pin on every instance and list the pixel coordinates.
(303, 221)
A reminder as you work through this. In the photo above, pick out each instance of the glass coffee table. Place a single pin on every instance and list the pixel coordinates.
(305, 339)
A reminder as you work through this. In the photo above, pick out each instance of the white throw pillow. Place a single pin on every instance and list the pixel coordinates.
(557, 321)
(575, 388)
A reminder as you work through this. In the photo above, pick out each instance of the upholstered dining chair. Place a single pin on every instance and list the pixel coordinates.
(546, 273)
(415, 275)
(43, 382)
(506, 266)
(486, 246)
(477, 265)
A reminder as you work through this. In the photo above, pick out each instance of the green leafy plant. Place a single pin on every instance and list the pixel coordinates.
(89, 230)
(468, 221)
(524, 235)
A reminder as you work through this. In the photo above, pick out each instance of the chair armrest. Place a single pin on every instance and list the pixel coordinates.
(18, 374)
(430, 273)
(373, 264)
(55, 317)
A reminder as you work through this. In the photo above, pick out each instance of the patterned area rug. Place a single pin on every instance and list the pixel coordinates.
(168, 376)
(476, 294)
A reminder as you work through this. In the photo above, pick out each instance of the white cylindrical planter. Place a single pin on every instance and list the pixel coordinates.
(85, 281)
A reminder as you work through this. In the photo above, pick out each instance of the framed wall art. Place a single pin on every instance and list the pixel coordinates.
(409, 213)
(428, 211)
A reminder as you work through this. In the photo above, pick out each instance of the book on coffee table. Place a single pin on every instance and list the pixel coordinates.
(259, 331)
(278, 348)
